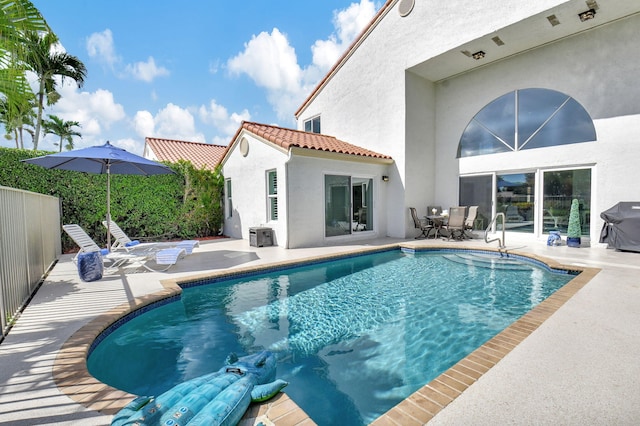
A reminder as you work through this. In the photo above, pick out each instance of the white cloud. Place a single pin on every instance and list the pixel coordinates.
(348, 23)
(217, 140)
(271, 62)
(219, 117)
(214, 66)
(143, 124)
(172, 122)
(101, 47)
(146, 71)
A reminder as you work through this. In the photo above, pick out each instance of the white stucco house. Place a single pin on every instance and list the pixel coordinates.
(516, 107)
(276, 178)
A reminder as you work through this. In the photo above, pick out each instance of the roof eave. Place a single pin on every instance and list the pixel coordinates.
(332, 155)
(238, 136)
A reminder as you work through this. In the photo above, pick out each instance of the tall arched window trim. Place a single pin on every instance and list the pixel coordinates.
(526, 119)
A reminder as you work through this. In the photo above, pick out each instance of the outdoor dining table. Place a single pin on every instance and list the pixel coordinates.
(438, 223)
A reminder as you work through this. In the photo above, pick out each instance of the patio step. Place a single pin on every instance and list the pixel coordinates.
(488, 261)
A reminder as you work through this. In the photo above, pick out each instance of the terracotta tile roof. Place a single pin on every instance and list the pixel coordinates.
(199, 154)
(288, 138)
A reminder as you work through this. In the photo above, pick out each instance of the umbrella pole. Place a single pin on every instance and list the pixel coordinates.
(109, 207)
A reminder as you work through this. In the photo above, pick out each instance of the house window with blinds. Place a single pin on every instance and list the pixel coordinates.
(272, 195)
(229, 203)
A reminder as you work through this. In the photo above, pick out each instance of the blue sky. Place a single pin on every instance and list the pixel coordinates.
(193, 70)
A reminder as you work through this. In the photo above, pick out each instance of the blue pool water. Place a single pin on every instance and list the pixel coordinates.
(353, 337)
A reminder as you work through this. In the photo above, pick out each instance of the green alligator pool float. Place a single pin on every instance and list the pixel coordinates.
(219, 398)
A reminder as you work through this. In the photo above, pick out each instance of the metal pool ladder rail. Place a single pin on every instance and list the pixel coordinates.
(501, 243)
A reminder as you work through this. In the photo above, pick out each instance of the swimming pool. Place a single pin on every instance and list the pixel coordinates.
(353, 337)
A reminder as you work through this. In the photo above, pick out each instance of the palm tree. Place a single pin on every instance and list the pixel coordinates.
(47, 64)
(63, 129)
(16, 18)
(16, 118)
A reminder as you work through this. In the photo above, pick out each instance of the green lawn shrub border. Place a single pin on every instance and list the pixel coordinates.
(186, 205)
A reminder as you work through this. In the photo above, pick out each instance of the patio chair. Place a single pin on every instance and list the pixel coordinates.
(469, 221)
(455, 224)
(549, 219)
(83, 240)
(166, 257)
(423, 226)
(123, 242)
(513, 215)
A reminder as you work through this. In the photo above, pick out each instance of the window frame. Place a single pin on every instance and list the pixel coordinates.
(525, 119)
(228, 198)
(311, 124)
(272, 195)
(340, 219)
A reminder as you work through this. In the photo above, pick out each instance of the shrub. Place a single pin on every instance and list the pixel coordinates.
(574, 230)
(186, 205)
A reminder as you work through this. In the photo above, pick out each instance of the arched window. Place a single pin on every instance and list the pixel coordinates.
(526, 119)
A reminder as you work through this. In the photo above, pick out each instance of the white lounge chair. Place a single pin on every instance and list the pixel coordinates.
(123, 242)
(166, 257)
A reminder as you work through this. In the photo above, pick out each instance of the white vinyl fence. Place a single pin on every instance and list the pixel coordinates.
(29, 245)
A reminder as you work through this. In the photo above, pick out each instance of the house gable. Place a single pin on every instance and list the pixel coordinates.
(302, 143)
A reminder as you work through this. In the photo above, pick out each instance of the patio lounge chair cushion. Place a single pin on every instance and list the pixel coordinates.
(188, 245)
(169, 256)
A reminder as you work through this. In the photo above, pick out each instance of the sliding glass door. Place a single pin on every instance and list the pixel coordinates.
(478, 191)
(560, 188)
(515, 197)
(514, 194)
(348, 205)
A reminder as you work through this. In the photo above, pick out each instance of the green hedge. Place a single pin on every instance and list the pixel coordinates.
(186, 205)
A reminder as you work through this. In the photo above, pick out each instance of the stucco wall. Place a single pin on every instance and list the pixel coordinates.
(420, 150)
(301, 208)
(603, 81)
(368, 103)
(307, 201)
(249, 189)
(373, 102)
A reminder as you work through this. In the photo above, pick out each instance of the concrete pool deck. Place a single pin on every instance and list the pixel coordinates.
(577, 367)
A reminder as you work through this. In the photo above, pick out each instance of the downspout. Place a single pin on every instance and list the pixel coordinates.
(286, 184)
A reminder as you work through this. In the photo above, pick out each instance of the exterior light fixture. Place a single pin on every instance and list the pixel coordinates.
(585, 16)
(478, 55)
(553, 20)
(385, 178)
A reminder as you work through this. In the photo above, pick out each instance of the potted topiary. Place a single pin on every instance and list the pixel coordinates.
(574, 231)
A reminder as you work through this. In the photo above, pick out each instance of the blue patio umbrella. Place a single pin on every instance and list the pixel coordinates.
(101, 159)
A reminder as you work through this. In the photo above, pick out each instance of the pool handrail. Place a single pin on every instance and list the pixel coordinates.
(501, 241)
